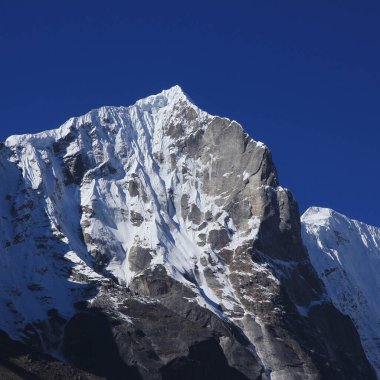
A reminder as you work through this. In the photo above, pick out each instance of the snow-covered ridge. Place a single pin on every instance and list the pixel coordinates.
(166, 99)
(346, 255)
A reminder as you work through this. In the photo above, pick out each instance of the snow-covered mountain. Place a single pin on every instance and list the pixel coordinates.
(159, 236)
(346, 255)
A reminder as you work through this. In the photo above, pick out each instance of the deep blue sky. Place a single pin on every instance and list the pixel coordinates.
(302, 76)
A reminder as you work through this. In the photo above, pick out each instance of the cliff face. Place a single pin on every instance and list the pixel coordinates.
(155, 241)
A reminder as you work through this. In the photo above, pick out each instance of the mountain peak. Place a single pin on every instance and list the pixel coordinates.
(166, 98)
(317, 215)
(174, 91)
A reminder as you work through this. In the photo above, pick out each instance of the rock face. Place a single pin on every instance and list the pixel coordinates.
(154, 241)
(20, 362)
(346, 255)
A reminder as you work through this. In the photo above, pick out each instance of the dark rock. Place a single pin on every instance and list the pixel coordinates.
(74, 169)
(205, 361)
(195, 215)
(139, 258)
(133, 188)
(136, 218)
(226, 255)
(89, 345)
(218, 238)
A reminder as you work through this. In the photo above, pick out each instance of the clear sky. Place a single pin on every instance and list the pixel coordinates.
(302, 76)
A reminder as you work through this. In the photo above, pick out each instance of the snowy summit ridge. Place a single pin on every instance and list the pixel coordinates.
(151, 104)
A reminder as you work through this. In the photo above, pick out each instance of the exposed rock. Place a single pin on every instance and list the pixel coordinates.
(139, 258)
(136, 218)
(218, 238)
(133, 188)
(195, 215)
(19, 362)
(74, 169)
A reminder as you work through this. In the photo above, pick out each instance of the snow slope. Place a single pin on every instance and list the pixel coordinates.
(346, 255)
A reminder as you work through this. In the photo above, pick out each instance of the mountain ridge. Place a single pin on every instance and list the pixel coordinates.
(346, 254)
(161, 210)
